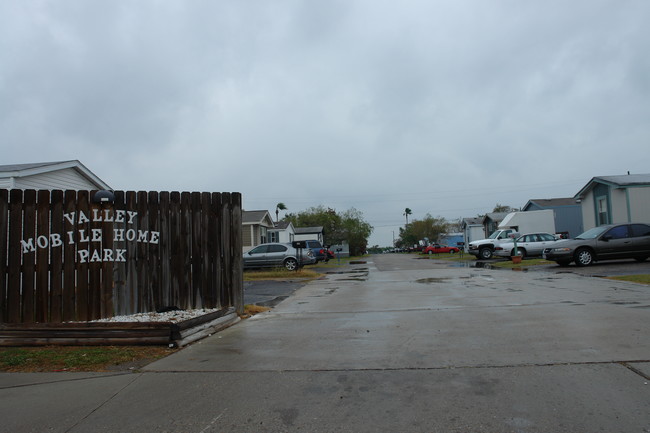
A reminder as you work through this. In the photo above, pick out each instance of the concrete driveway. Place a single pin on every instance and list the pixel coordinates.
(395, 345)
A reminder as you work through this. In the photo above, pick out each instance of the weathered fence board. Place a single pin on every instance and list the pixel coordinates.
(142, 256)
(64, 257)
(14, 262)
(69, 264)
(56, 259)
(4, 211)
(41, 307)
(81, 229)
(29, 262)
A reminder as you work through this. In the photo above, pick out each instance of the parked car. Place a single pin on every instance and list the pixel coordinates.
(437, 249)
(317, 249)
(607, 242)
(272, 255)
(528, 245)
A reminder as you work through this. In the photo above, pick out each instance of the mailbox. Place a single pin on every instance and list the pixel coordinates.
(299, 244)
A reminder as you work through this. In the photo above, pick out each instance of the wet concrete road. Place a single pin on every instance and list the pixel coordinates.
(395, 345)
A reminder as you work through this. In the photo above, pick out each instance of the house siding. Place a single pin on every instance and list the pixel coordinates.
(283, 236)
(309, 237)
(640, 204)
(618, 199)
(247, 236)
(568, 219)
(619, 206)
(626, 198)
(68, 178)
(588, 211)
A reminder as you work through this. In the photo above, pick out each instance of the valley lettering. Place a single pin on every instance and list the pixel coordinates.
(94, 237)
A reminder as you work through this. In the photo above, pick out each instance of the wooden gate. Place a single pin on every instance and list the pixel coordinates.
(64, 257)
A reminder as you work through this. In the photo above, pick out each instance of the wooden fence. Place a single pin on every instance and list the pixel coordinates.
(65, 258)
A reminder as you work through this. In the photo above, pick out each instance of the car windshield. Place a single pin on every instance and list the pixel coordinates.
(592, 233)
(494, 235)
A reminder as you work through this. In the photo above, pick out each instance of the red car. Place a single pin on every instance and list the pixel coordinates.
(437, 249)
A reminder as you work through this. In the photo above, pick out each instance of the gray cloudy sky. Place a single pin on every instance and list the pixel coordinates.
(445, 107)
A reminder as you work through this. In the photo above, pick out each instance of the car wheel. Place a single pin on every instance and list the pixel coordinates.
(520, 252)
(485, 253)
(641, 259)
(291, 264)
(563, 262)
(584, 257)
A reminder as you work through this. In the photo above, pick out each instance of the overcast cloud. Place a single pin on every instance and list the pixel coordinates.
(445, 107)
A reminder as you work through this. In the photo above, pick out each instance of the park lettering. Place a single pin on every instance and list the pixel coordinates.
(94, 236)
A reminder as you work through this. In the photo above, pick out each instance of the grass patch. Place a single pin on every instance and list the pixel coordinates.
(280, 274)
(454, 257)
(251, 310)
(526, 263)
(79, 358)
(333, 263)
(641, 278)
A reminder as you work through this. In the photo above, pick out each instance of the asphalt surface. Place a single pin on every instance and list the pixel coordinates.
(399, 344)
(269, 293)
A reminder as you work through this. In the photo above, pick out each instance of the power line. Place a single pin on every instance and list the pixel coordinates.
(406, 196)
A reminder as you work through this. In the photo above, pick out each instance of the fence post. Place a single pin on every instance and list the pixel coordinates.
(237, 287)
(4, 221)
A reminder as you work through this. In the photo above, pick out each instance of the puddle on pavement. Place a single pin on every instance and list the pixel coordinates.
(360, 274)
(480, 265)
(354, 271)
(327, 292)
(431, 280)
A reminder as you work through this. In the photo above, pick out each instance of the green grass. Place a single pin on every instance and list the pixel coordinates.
(641, 278)
(526, 263)
(279, 274)
(456, 257)
(75, 358)
(333, 263)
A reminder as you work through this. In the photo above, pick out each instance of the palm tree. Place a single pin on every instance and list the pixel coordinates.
(407, 212)
(278, 208)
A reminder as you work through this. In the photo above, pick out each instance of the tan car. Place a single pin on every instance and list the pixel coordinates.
(608, 242)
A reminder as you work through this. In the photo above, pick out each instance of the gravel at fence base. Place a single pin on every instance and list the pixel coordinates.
(168, 316)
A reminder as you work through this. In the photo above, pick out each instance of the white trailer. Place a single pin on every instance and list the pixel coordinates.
(531, 221)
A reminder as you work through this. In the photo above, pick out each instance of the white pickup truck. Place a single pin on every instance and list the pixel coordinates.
(484, 248)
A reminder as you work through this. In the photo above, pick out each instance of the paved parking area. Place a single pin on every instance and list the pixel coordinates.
(396, 344)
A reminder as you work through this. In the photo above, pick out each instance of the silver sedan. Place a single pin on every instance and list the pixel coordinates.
(273, 255)
(531, 244)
